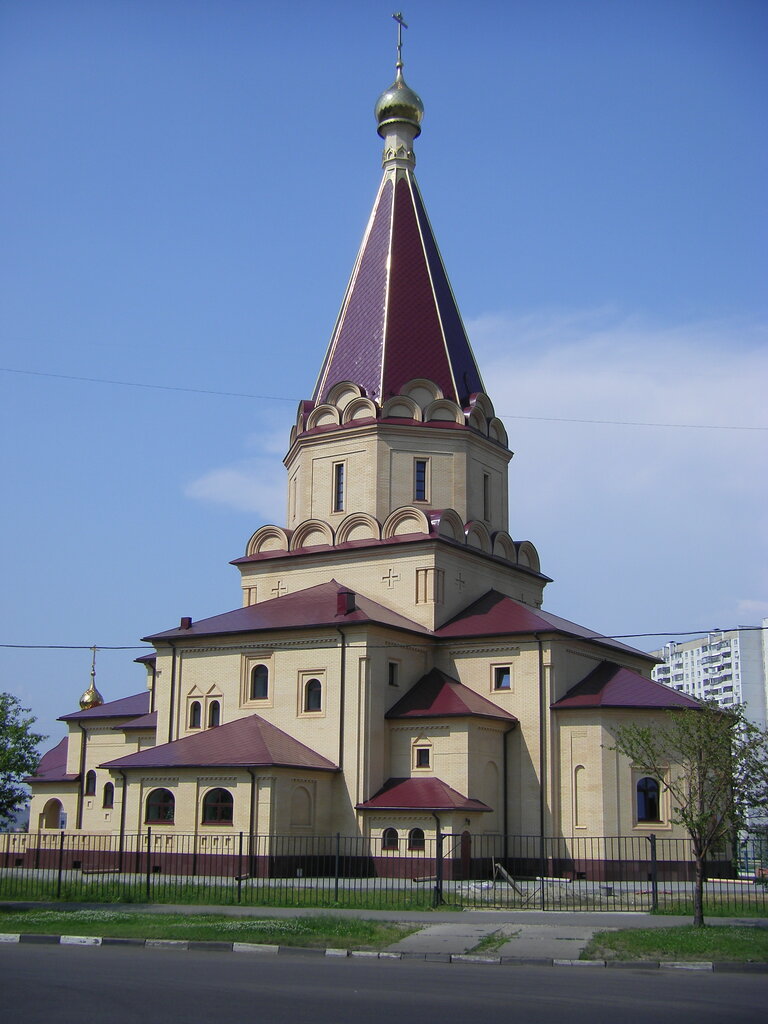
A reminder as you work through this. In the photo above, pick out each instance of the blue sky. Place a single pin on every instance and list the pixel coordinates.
(184, 190)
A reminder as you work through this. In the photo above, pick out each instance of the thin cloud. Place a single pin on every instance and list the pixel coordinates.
(253, 485)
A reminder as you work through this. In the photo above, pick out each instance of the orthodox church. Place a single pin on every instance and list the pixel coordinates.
(391, 670)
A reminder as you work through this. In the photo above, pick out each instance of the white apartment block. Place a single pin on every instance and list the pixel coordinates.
(729, 666)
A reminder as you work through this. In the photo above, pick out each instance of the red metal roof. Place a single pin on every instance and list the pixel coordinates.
(245, 743)
(495, 614)
(53, 766)
(436, 695)
(125, 707)
(420, 794)
(315, 606)
(611, 686)
(399, 319)
(144, 723)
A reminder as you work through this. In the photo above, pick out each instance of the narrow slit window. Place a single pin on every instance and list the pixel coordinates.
(420, 480)
(486, 497)
(338, 487)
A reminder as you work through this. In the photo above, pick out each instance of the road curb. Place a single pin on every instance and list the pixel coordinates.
(262, 949)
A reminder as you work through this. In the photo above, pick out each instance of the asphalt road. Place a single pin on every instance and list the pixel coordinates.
(147, 986)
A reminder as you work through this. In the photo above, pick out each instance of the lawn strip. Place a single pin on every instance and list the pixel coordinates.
(713, 943)
(321, 931)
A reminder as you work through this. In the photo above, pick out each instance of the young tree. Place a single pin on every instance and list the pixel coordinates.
(18, 753)
(713, 762)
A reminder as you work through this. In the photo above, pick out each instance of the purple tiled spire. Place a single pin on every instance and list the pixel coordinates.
(399, 319)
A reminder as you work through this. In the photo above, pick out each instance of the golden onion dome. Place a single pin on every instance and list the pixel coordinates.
(399, 103)
(91, 698)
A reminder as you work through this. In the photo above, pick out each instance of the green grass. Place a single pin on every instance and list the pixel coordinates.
(714, 942)
(217, 895)
(319, 930)
(715, 908)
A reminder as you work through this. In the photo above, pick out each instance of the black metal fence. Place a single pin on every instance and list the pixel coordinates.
(512, 872)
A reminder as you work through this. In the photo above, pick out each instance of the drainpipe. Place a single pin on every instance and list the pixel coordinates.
(152, 688)
(83, 741)
(342, 689)
(505, 787)
(542, 740)
(172, 690)
(251, 817)
(437, 895)
(122, 816)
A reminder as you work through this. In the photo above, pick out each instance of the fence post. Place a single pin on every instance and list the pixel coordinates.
(542, 893)
(654, 874)
(61, 865)
(149, 862)
(437, 896)
(240, 869)
(336, 869)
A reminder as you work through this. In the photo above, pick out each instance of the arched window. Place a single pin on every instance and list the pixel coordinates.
(108, 799)
(648, 800)
(313, 695)
(195, 715)
(214, 713)
(259, 682)
(90, 784)
(217, 807)
(160, 806)
(416, 839)
(389, 839)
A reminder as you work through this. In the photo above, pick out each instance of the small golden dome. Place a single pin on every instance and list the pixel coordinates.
(399, 103)
(91, 698)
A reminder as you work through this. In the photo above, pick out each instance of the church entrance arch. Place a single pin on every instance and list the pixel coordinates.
(51, 816)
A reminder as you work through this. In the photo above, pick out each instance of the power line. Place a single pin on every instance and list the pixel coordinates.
(283, 398)
(567, 639)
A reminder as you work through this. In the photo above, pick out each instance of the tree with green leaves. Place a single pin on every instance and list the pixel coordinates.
(713, 762)
(18, 753)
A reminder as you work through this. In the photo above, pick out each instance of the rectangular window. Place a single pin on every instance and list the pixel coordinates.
(422, 757)
(502, 677)
(392, 672)
(486, 497)
(420, 480)
(338, 487)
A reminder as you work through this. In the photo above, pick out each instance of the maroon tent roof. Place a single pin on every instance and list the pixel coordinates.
(496, 614)
(245, 743)
(53, 766)
(315, 606)
(437, 695)
(420, 794)
(611, 686)
(399, 319)
(125, 707)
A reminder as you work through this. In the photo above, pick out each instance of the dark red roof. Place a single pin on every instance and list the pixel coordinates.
(144, 723)
(494, 614)
(399, 319)
(53, 766)
(125, 707)
(436, 695)
(245, 743)
(315, 606)
(611, 686)
(420, 794)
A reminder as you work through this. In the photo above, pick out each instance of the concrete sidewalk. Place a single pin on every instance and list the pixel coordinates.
(525, 933)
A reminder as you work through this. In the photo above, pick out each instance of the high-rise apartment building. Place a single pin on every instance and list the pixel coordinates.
(728, 666)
